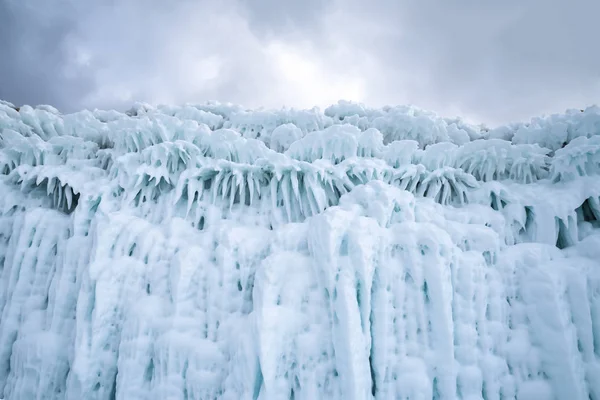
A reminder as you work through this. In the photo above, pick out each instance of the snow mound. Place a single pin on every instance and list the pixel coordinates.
(207, 251)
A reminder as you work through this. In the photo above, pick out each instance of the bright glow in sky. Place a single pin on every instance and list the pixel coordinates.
(487, 61)
(308, 81)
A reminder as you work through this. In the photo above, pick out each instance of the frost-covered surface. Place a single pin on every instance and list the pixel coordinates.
(208, 251)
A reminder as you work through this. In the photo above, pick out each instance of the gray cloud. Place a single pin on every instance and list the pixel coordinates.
(496, 61)
(486, 60)
(270, 18)
(184, 52)
(34, 59)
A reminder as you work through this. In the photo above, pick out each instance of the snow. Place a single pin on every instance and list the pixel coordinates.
(207, 251)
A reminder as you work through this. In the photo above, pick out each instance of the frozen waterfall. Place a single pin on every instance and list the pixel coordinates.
(213, 252)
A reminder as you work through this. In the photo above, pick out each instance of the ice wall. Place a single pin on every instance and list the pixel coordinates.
(212, 252)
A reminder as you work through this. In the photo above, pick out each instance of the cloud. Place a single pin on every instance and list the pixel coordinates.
(35, 61)
(182, 52)
(490, 61)
(285, 18)
(493, 60)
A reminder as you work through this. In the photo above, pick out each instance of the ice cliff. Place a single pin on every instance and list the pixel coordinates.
(213, 252)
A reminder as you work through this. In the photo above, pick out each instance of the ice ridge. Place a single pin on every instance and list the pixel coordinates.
(207, 251)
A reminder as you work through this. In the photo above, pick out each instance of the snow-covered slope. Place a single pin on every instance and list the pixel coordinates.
(211, 252)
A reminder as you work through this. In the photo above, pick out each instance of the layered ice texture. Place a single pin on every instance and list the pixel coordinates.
(213, 252)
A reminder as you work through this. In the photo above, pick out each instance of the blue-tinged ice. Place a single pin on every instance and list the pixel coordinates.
(212, 252)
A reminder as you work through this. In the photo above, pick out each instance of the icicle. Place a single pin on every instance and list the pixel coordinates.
(305, 206)
(320, 196)
(194, 187)
(294, 180)
(251, 187)
(216, 184)
(274, 199)
(433, 187)
(183, 181)
(51, 185)
(594, 203)
(69, 197)
(446, 196)
(139, 181)
(227, 186)
(414, 177)
(242, 187)
(234, 184)
(59, 190)
(40, 178)
(287, 199)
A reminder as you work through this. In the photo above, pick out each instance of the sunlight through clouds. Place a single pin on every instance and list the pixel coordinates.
(489, 62)
(307, 82)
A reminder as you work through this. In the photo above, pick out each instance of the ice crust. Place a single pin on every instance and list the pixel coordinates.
(213, 252)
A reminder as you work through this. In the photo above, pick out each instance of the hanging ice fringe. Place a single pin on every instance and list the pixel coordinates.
(211, 252)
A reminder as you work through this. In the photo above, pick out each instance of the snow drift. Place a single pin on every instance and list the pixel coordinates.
(212, 252)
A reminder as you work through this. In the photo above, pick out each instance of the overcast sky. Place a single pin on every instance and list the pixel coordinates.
(489, 61)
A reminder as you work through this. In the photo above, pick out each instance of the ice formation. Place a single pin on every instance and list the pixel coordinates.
(213, 252)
